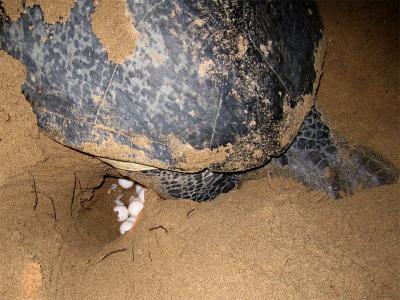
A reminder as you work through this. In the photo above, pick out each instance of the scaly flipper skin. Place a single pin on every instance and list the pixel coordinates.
(199, 186)
(317, 160)
(364, 168)
(314, 158)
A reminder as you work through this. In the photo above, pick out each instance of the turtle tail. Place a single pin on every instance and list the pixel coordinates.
(337, 168)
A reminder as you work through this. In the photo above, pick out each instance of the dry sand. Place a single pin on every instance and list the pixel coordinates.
(272, 238)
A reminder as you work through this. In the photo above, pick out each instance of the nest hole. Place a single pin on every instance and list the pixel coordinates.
(97, 223)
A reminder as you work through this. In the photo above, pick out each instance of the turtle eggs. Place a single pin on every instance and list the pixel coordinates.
(127, 215)
(140, 192)
(126, 225)
(138, 188)
(141, 195)
(134, 208)
(125, 184)
(122, 212)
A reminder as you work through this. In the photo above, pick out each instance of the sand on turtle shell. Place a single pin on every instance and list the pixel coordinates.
(271, 239)
(113, 25)
(189, 157)
(54, 10)
(13, 8)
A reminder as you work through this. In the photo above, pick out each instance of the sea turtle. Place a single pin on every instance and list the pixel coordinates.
(212, 92)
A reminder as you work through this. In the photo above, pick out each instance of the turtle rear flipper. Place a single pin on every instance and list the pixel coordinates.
(315, 159)
(365, 168)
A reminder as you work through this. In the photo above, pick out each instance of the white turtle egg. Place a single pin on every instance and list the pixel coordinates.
(134, 208)
(133, 198)
(138, 188)
(125, 226)
(131, 219)
(141, 195)
(122, 212)
(124, 183)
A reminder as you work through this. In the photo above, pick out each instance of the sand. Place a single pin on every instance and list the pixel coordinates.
(270, 239)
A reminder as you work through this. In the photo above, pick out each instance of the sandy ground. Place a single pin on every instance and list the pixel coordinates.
(272, 238)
